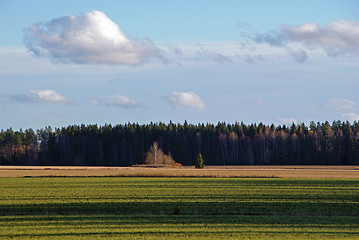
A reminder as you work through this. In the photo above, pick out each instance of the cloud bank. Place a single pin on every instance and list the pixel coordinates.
(186, 99)
(92, 38)
(39, 96)
(337, 38)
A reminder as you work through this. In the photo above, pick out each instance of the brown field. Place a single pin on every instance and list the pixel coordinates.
(313, 172)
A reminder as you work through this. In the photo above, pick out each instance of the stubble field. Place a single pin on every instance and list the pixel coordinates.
(300, 172)
(198, 207)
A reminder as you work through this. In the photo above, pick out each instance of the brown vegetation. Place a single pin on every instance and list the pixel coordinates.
(313, 172)
(156, 157)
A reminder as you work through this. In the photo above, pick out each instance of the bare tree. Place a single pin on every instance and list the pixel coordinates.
(155, 156)
(168, 160)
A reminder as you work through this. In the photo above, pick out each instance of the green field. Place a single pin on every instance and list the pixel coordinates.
(175, 208)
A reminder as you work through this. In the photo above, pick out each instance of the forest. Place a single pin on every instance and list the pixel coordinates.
(220, 144)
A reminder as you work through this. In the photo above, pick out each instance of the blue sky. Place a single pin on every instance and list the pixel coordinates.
(74, 62)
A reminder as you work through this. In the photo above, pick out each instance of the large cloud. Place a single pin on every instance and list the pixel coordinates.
(338, 37)
(186, 99)
(92, 38)
(39, 96)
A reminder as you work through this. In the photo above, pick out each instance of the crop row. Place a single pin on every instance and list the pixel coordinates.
(178, 227)
(182, 196)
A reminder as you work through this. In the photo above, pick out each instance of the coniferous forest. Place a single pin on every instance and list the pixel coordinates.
(221, 144)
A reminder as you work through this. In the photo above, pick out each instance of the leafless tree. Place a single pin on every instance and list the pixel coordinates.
(155, 156)
(168, 160)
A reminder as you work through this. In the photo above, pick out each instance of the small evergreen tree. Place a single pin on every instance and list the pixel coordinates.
(200, 161)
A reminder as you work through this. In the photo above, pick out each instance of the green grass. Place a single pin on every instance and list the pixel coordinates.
(179, 227)
(178, 208)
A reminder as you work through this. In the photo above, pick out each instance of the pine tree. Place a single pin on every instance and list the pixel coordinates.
(199, 162)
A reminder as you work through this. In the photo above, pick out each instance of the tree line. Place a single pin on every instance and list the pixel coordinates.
(221, 144)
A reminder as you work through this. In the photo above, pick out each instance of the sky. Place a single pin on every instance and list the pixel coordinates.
(114, 62)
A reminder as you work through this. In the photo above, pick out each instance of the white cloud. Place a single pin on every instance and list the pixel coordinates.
(48, 96)
(92, 38)
(121, 101)
(351, 116)
(39, 96)
(341, 104)
(289, 121)
(186, 99)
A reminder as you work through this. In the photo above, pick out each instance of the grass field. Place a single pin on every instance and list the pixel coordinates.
(179, 208)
